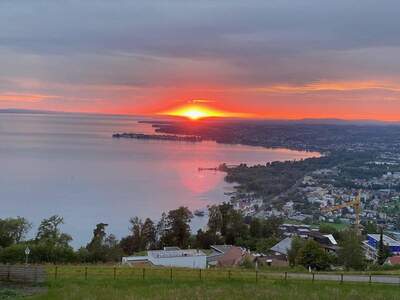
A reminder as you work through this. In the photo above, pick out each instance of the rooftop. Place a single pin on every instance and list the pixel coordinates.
(175, 253)
(386, 239)
(221, 248)
(283, 246)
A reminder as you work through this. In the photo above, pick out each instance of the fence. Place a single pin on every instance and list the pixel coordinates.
(175, 274)
(20, 273)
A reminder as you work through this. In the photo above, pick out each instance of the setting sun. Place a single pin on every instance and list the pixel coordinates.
(194, 114)
(197, 112)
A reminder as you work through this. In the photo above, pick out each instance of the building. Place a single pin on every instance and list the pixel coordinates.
(326, 241)
(393, 260)
(226, 256)
(282, 247)
(371, 245)
(170, 257)
(289, 230)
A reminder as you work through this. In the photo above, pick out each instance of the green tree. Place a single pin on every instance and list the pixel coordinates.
(13, 231)
(112, 249)
(383, 250)
(292, 253)
(270, 227)
(205, 239)
(161, 230)
(370, 227)
(351, 254)
(214, 219)
(256, 228)
(177, 231)
(149, 234)
(96, 247)
(264, 245)
(142, 237)
(49, 232)
(313, 256)
(228, 222)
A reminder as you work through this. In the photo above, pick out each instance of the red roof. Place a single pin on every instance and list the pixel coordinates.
(232, 257)
(394, 260)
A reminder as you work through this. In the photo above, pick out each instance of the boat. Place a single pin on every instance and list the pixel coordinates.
(199, 213)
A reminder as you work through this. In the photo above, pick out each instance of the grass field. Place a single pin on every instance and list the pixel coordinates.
(99, 283)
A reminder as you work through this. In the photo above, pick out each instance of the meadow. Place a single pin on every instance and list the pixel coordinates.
(136, 283)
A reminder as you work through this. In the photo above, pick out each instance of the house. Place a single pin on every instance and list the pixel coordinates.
(393, 260)
(326, 241)
(289, 230)
(170, 257)
(371, 245)
(225, 256)
(283, 246)
(277, 260)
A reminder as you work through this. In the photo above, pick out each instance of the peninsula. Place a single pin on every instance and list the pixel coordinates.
(164, 137)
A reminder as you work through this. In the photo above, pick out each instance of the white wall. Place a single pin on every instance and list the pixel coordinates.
(196, 262)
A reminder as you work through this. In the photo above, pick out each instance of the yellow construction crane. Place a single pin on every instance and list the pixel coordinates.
(356, 204)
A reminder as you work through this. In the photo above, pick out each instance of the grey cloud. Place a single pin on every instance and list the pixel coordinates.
(248, 42)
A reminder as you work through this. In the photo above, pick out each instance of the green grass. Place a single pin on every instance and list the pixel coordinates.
(337, 226)
(8, 293)
(188, 284)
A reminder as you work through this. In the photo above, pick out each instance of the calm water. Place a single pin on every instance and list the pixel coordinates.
(69, 165)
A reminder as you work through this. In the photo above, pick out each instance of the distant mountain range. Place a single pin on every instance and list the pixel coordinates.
(332, 121)
(28, 111)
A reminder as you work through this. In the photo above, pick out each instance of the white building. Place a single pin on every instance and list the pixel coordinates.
(171, 257)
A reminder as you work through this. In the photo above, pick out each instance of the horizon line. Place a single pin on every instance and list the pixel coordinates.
(155, 115)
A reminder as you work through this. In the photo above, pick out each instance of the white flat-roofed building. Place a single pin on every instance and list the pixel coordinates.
(189, 258)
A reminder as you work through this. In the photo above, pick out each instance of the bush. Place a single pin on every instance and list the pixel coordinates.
(40, 253)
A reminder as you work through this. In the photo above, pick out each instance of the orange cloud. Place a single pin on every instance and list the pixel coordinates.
(19, 97)
(330, 86)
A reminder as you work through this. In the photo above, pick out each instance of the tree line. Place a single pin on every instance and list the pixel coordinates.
(225, 226)
(51, 245)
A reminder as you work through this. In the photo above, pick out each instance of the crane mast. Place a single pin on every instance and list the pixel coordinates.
(356, 204)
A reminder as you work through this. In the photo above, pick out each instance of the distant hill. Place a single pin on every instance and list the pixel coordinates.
(28, 111)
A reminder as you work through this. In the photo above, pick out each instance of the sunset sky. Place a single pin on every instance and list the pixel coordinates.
(271, 59)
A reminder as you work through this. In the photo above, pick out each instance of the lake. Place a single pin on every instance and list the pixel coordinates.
(68, 164)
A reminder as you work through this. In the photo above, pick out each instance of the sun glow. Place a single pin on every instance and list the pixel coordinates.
(196, 112)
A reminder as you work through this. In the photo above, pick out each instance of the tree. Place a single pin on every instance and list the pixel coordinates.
(143, 236)
(270, 227)
(292, 253)
(383, 250)
(149, 235)
(227, 221)
(351, 254)
(96, 245)
(49, 232)
(13, 230)
(161, 230)
(205, 239)
(235, 227)
(214, 219)
(177, 230)
(370, 227)
(256, 227)
(311, 255)
(113, 251)
(264, 245)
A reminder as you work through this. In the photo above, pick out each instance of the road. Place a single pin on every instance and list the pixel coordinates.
(347, 278)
